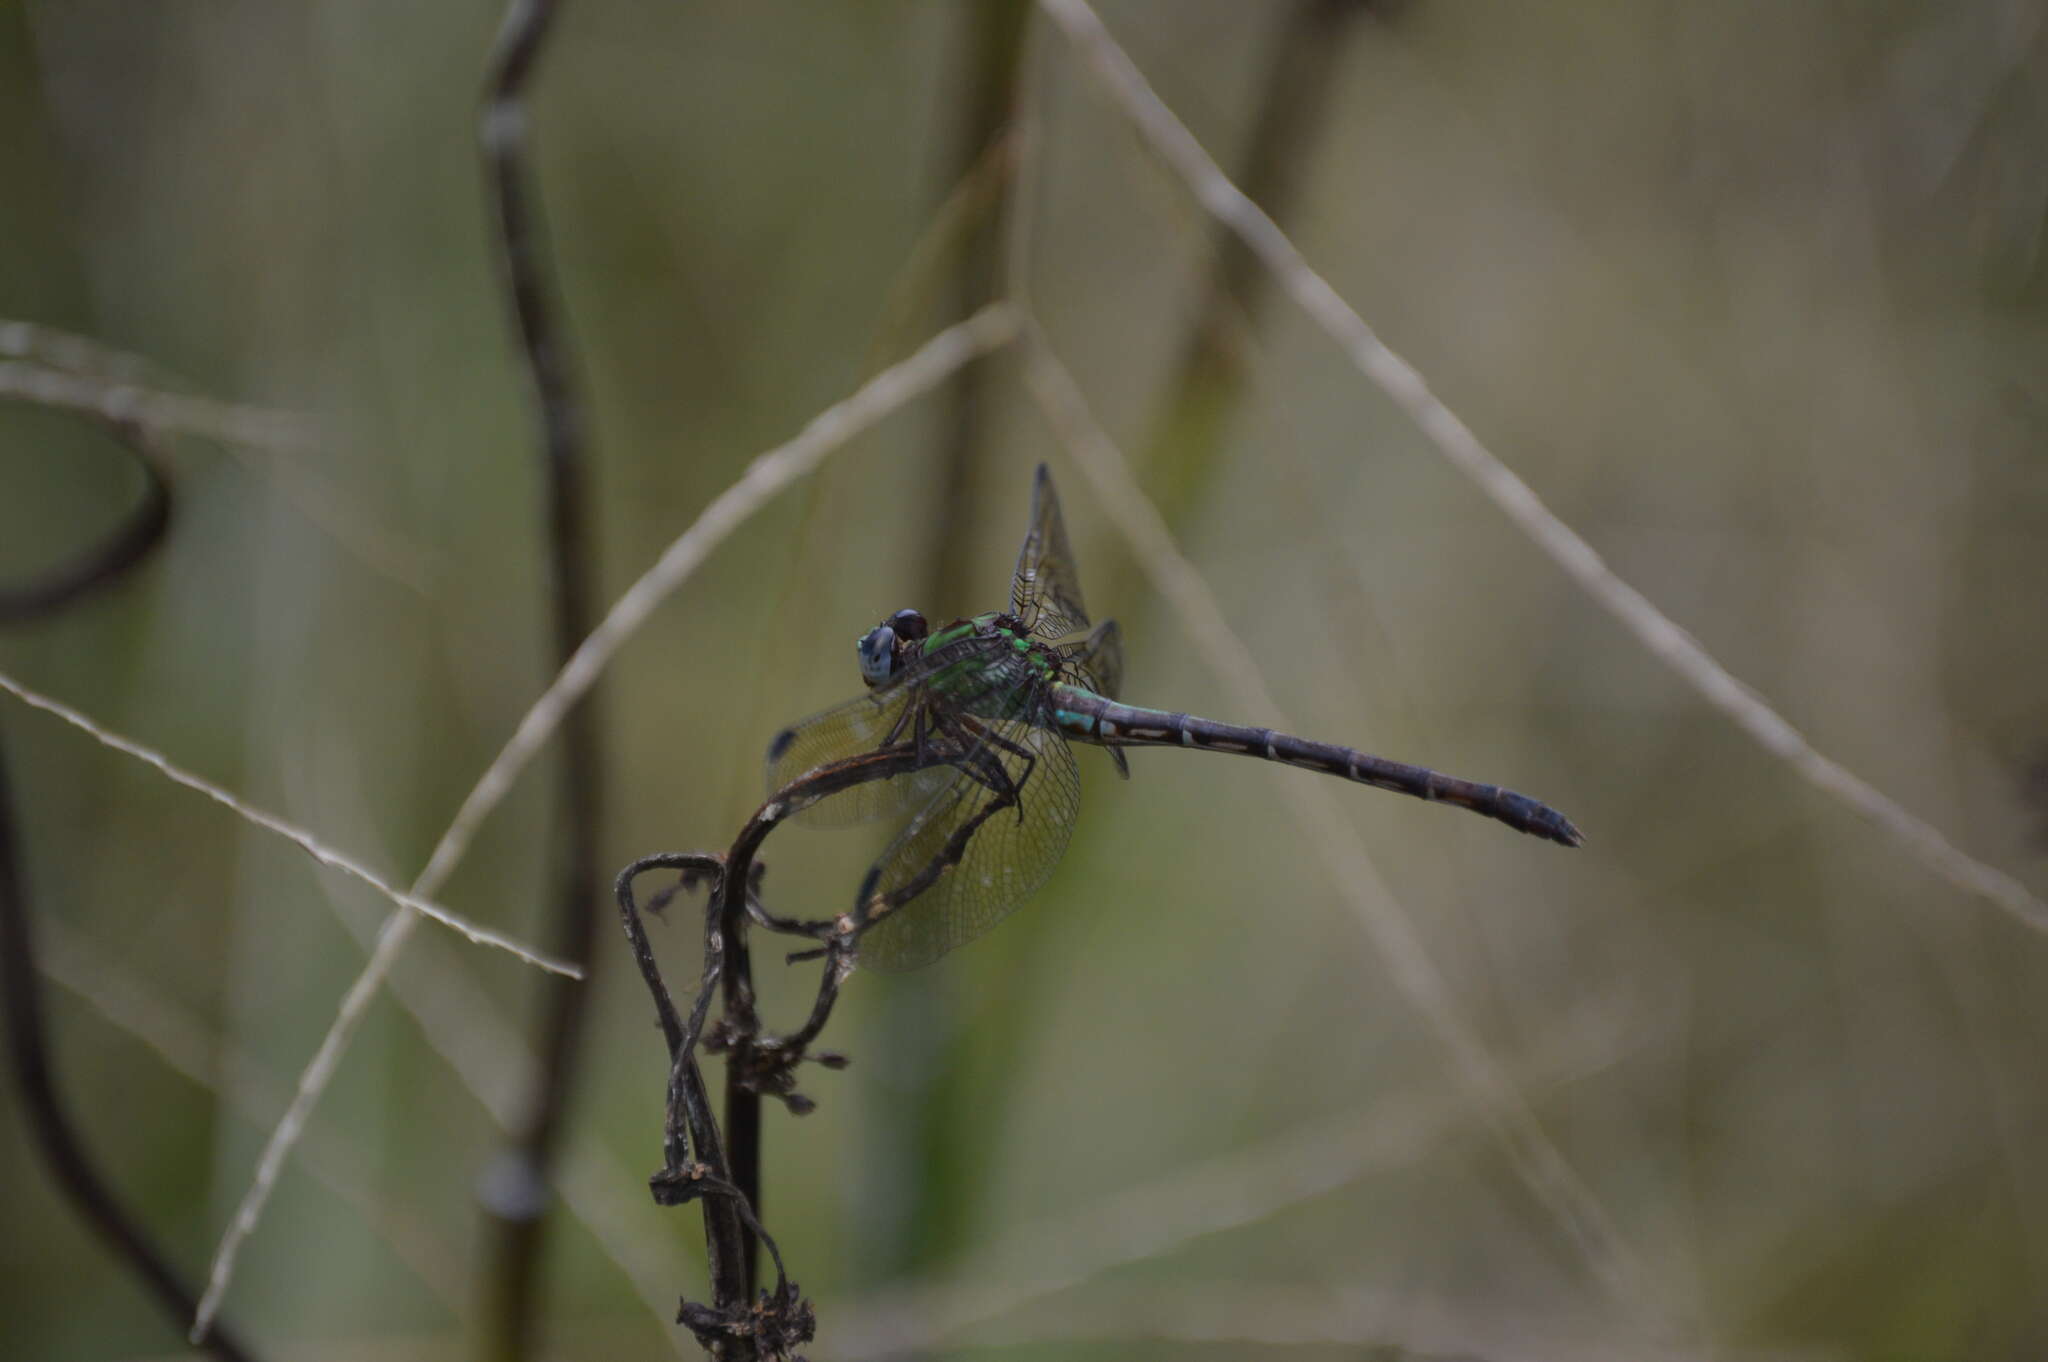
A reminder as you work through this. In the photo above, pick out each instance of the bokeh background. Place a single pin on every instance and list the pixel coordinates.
(1754, 297)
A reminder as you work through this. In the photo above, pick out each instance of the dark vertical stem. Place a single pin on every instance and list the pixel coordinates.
(725, 1236)
(21, 983)
(740, 1324)
(923, 1102)
(742, 1101)
(1209, 378)
(992, 40)
(516, 1195)
(1179, 454)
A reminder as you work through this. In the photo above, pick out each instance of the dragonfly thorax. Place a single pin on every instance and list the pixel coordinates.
(883, 649)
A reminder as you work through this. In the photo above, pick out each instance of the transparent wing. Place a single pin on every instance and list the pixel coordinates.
(1099, 660)
(1098, 663)
(977, 850)
(982, 673)
(1046, 592)
(861, 725)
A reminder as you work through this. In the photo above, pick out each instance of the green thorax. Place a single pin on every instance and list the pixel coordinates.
(999, 668)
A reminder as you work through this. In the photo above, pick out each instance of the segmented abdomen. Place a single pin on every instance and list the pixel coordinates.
(1090, 718)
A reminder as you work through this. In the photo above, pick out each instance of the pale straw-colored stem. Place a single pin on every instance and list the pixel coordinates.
(987, 330)
(1456, 442)
(1535, 1156)
(116, 400)
(299, 837)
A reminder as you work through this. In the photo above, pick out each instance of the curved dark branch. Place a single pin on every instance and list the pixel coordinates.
(701, 1163)
(50, 1123)
(691, 1143)
(521, 1200)
(105, 562)
(28, 1039)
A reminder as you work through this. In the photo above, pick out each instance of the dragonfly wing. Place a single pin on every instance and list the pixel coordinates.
(1046, 591)
(859, 726)
(984, 672)
(1100, 660)
(977, 850)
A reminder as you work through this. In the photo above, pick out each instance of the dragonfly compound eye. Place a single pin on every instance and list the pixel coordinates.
(909, 625)
(877, 654)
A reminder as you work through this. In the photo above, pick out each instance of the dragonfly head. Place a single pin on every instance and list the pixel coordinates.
(883, 648)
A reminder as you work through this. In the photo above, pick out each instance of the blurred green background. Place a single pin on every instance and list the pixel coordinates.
(1752, 295)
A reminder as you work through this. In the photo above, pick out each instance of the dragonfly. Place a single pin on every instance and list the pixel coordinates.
(984, 710)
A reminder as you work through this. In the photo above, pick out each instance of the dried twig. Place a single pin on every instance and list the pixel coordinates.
(701, 1162)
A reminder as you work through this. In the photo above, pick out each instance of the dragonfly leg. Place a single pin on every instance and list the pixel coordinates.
(874, 907)
(1029, 758)
(1004, 783)
(918, 716)
(919, 734)
(913, 710)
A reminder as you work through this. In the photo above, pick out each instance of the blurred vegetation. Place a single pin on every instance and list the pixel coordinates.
(1754, 296)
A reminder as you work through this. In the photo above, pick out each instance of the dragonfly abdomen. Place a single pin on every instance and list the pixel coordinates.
(1091, 718)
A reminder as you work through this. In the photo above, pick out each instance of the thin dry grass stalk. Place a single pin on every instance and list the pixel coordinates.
(1455, 441)
(987, 330)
